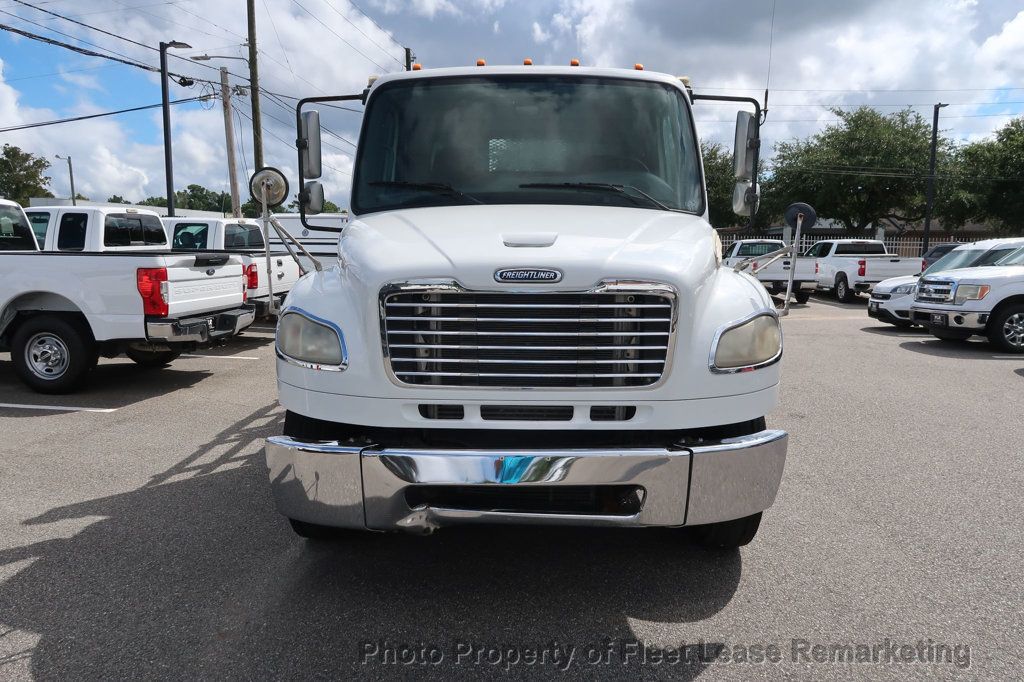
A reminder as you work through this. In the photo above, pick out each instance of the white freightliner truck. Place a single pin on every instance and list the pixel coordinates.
(529, 320)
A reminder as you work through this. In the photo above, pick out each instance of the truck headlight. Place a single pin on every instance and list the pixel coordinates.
(903, 289)
(309, 341)
(971, 292)
(748, 344)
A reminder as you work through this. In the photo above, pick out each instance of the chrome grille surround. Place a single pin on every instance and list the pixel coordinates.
(408, 356)
(935, 291)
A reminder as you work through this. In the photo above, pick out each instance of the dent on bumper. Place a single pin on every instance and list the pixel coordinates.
(344, 486)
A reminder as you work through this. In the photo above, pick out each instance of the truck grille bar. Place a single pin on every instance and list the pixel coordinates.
(617, 335)
(934, 291)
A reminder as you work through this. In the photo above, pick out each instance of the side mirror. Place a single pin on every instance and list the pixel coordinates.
(744, 199)
(309, 143)
(313, 197)
(745, 144)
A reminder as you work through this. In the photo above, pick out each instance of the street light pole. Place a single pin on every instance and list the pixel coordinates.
(166, 104)
(71, 175)
(930, 198)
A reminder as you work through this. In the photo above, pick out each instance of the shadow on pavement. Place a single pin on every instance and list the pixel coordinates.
(858, 302)
(964, 350)
(238, 344)
(112, 384)
(195, 575)
(894, 331)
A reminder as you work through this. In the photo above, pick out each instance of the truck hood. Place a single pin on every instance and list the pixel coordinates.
(585, 243)
(981, 275)
(887, 285)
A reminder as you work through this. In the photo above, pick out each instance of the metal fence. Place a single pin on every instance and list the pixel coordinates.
(902, 246)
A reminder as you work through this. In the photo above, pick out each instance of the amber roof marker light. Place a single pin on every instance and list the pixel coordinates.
(481, 62)
(574, 62)
(527, 62)
(417, 66)
(638, 66)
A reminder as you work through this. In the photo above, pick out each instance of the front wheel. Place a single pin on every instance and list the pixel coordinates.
(728, 534)
(152, 358)
(52, 354)
(1006, 330)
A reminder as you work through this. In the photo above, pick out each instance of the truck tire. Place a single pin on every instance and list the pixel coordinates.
(950, 335)
(802, 296)
(1006, 329)
(152, 358)
(53, 354)
(728, 534)
(843, 292)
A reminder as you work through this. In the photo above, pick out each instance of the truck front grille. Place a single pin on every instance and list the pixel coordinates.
(542, 340)
(934, 291)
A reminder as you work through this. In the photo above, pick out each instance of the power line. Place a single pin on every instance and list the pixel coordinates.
(40, 124)
(280, 44)
(292, 145)
(338, 36)
(352, 23)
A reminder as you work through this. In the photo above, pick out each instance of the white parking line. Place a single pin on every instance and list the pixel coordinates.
(59, 408)
(223, 357)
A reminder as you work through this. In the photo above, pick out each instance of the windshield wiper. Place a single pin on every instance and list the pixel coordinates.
(435, 187)
(601, 187)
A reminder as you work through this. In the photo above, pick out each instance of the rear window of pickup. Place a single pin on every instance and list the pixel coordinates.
(15, 232)
(123, 229)
(756, 249)
(861, 249)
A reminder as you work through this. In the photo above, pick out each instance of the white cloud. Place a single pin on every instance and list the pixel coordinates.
(540, 36)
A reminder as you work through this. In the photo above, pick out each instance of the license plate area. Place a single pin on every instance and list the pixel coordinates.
(873, 306)
(940, 319)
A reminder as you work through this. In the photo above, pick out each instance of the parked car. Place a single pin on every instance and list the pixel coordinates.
(892, 299)
(849, 266)
(935, 252)
(985, 301)
(86, 294)
(774, 277)
(245, 238)
(543, 333)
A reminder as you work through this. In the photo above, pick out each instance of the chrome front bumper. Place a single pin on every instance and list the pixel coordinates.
(955, 317)
(331, 484)
(201, 329)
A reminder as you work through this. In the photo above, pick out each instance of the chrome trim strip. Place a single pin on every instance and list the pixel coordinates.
(296, 310)
(660, 320)
(485, 361)
(457, 347)
(739, 323)
(431, 285)
(582, 306)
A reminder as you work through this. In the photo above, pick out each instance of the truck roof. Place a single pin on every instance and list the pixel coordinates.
(519, 70)
(8, 202)
(991, 243)
(101, 209)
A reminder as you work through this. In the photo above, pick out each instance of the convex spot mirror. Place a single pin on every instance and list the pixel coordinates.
(275, 183)
(810, 217)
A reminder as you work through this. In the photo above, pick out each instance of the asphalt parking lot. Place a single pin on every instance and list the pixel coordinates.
(138, 539)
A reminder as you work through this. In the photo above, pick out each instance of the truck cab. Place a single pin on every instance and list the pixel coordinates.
(529, 320)
(97, 229)
(775, 275)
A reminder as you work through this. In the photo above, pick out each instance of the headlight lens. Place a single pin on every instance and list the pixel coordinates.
(903, 290)
(971, 292)
(752, 343)
(302, 339)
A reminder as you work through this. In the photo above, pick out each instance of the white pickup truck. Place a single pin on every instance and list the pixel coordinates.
(774, 276)
(236, 235)
(89, 293)
(848, 266)
(530, 321)
(985, 301)
(323, 244)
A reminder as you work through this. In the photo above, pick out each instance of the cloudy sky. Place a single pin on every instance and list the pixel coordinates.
(886, 53)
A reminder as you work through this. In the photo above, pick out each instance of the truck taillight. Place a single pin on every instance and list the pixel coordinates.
(815, 267)
(152, 284)
(862, 268)
(924, 265)
(252, 276)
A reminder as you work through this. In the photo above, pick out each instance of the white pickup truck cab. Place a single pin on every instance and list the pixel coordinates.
(245, 238)
(106, 284)
(774, 276)
(322, 244)
(849, 266)
(892, 299)
(985, 301)
(529, 321)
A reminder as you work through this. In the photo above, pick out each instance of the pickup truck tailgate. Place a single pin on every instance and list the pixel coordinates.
(203, 282)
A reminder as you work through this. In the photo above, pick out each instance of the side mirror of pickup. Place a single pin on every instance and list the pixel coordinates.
(309, 144)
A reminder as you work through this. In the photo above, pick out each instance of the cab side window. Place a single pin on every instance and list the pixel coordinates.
(39, 220)
(71, 232)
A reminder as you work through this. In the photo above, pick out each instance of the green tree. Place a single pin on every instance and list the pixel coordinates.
(23, 175)
(329, 206)
(867, 168)
(992, 173)
(154, 201)
(118, 199)
(718, 174)
(199, 198)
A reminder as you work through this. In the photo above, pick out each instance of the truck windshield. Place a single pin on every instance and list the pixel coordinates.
(1015, 258)
(966, 258)
(470, 140)
(15, 233)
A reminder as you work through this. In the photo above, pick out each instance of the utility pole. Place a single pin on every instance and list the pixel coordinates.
(165, 101)
(229, 136)
(71, 175)
(408, 59)
(254, 88)
(931, 178)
